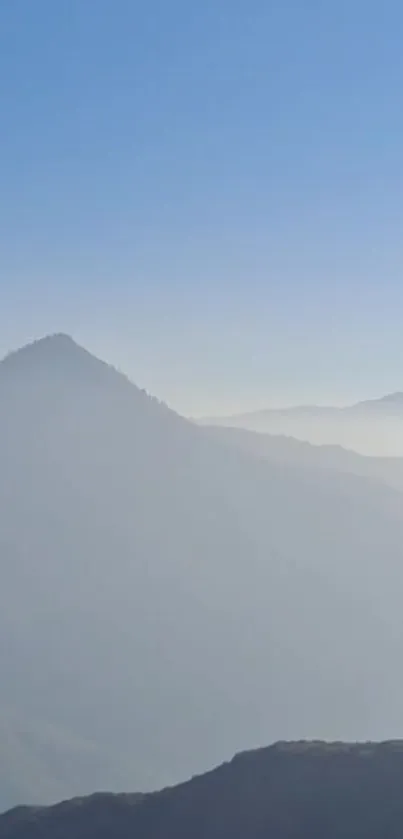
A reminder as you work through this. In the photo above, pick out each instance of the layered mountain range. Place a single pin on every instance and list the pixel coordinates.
(170, 595)
(372, 427)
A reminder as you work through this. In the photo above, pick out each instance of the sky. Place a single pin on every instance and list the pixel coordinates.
(208, 195)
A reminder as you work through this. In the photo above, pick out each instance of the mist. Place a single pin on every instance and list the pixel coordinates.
(201, 420)
(170, 596)
(373, 428)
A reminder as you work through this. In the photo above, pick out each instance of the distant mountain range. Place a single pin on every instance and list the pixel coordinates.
(289, 791)
(373, 427)
(281, 449)
(391, 404)
(170, 596)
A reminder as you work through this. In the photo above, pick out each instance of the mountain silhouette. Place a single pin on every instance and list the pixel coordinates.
(288, 450)
(289, 791)
(372, 427)
(168, 599)
(384, 402)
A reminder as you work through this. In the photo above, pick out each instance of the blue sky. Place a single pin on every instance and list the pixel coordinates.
(208, 194)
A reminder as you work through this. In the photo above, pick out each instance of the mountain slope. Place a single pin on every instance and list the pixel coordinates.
(373, 427)
(390, 405)
(289, 791)
(281, 449)
(167, 599)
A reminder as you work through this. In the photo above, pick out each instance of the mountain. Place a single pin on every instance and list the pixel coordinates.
(391, 404)
(373, 427)
(168, 599)
(281, 449)
(288, 791)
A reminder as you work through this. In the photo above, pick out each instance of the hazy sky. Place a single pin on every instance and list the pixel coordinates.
(209, 194)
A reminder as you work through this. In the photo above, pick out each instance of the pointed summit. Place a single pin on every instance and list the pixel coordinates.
(57, 362)
(50, 345)
(59, 366)
(56, 355)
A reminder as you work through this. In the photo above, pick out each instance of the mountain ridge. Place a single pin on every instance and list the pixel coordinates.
(178, 581)
(394, 397)
(372, 427)
(291, 790)
(285, 449)
(59, 354)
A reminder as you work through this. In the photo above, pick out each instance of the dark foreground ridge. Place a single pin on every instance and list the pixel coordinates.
(288, 791)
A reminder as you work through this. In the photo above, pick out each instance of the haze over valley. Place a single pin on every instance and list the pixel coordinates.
(373, 427)
(201, 419)
(171, 595)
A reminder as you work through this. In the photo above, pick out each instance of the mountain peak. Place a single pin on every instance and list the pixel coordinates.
(42, 347)
(57, 361)
(55, 356)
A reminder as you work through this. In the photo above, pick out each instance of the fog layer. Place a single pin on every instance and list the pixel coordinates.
(168, 598)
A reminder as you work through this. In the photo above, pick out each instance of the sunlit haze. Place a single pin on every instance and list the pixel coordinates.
(201, 419)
